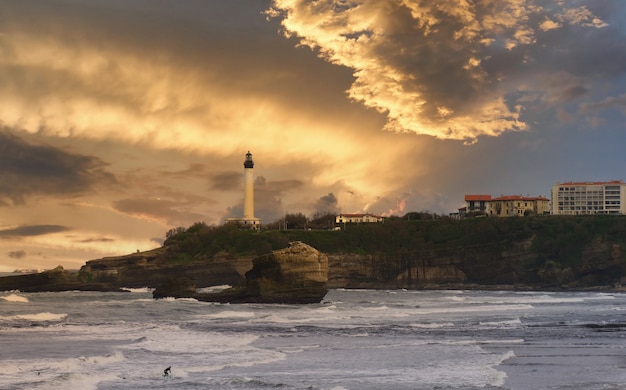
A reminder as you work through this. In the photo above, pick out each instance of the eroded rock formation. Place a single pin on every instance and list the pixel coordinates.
(296, 274)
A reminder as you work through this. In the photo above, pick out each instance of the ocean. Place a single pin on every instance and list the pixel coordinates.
(353, 340)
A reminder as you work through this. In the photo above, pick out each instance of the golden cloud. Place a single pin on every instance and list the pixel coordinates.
(423, 63)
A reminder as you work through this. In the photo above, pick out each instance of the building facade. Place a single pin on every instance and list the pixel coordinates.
(505, 206)
(580, 198)
(515, 205)
(477, 204)
(357, 218)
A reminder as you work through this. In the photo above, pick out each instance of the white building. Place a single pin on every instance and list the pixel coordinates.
(357, 218)
(576, 198)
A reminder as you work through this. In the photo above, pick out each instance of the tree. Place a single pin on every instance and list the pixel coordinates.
(174, 232)
(296, 221)
(322, 221)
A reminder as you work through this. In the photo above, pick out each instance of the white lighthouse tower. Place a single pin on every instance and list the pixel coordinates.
(248, 188)
(248, 196)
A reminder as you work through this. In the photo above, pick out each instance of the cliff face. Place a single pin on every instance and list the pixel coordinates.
(602, 264)
(57, 279)
(155, 267)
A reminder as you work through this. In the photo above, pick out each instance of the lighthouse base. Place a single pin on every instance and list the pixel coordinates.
(252, 223)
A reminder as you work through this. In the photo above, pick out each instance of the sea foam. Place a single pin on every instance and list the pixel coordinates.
(15, 298)
(45, 316)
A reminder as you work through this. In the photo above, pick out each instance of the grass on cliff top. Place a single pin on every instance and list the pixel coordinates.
(555, 238)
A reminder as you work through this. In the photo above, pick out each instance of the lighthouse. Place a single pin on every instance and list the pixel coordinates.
(248, 188)
(248, 218)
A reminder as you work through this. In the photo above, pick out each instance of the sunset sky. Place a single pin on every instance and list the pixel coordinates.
(121, 119)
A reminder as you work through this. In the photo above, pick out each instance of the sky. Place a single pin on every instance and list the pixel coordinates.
(122, 119)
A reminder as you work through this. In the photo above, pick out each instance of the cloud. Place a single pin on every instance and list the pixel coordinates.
(327, 204)
(268, 199)
(33, 230)
(28, 170)
(441, 68)
(165, 211)
(97, 240)
(612, 102)
(17, 254)
(227, 181)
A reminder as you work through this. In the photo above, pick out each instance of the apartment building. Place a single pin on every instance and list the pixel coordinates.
(579, 198)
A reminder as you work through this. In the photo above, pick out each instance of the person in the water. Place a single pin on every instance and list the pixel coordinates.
(167, 371)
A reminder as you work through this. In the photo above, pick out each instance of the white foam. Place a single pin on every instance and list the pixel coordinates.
(138, 290)
(84, 372)
(474, 309)
(213, 289)
(15, 298)
(512, 322)
(432, 325)
(46, 316)
(230, 314)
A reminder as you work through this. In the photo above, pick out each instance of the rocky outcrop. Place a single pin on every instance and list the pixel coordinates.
(296, 274)
(57, 279)
(298, 271)
(155, 267)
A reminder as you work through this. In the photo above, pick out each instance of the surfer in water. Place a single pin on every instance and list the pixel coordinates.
(167, 372)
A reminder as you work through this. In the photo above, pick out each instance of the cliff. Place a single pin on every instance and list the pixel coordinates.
(155, 267)
(489, 253)
(602, 265)
(57, 279)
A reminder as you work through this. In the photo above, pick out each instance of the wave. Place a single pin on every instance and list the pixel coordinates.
(138, 290)
(474, 308)
(515, 321)
(230, 314)
(15, 298)
(45, 316)
(432, 325)
(212, 289)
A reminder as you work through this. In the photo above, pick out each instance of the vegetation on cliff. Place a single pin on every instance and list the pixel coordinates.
(540, 251)
(560, 239)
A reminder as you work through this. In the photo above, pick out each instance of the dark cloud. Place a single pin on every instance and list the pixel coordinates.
(27, 170)
(33, 230)
(157, 240)
(99, 239)
(17, 254)
(327, 204)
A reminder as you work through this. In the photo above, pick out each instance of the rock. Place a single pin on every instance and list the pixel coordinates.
(297, 274)
(175, 288)
(57, 279)
(154, 267)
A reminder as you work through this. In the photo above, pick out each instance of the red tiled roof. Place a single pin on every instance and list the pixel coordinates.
(477, 197)
(590, 183)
